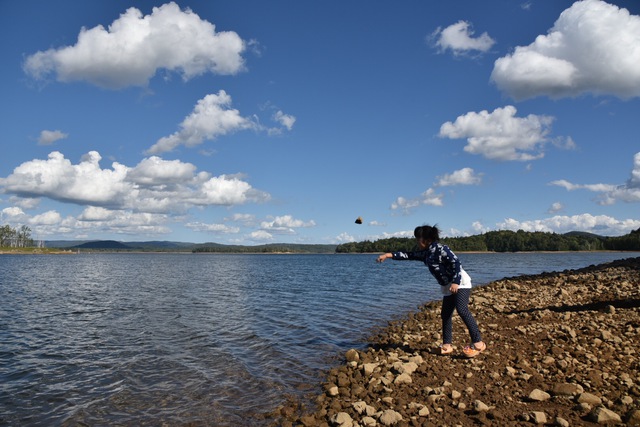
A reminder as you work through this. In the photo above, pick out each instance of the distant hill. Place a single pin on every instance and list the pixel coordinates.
(102, 244)
(112, 244)
(161, 245)
(167, 246)
(268, 248)
(584, 234)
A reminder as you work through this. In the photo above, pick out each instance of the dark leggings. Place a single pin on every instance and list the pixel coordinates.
(459, 301)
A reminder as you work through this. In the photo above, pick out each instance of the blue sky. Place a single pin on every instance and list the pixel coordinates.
(250, 122)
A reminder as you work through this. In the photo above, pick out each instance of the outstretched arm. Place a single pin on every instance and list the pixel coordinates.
(382, 257)
(411, 256)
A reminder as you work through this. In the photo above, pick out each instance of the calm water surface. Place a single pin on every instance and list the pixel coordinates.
(146, 339)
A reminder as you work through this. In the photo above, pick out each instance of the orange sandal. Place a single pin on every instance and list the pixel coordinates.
(446, 350)
(472, 350)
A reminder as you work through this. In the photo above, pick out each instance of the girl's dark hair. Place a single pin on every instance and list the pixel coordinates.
(427, 232)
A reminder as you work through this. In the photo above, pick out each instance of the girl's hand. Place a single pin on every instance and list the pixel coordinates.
(454, 288)
(383, 257)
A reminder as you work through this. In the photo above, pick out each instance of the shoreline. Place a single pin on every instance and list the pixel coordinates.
(561, 351)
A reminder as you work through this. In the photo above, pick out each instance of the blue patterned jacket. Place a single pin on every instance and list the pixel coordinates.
(442, 262)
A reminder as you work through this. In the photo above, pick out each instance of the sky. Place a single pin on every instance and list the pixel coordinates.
(251, 122)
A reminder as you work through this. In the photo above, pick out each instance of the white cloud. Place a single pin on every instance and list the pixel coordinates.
(598, 224)
(261, 236)
(24, 202)
(464, 176)
(134, 47)
(212, 228)
(634, 181)
(555, 208)
(500, 135)
(285, 224)
(628, 192)
(58, 179)
(154, 171)
(12, 214)
(247, 219)
(405, 204)
(591, 187)
(479, 228)
(459, 38)
(94, 213)
(48, 137)
(564, 143)
(45, 219)
(285, 120)
(93, 220)
(152, 186)
(210, 118)
(429, 197)
(345, 238)
(593, 47)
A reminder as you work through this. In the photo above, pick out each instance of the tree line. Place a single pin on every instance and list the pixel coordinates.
(506, 241)
(266, 249)
(16, 237)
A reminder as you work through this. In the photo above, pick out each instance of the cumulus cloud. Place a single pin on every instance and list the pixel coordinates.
(459, 39)
(555, 208)
(13, 214)
(23, 202)
(285, 120)
(153, 186)
(345, 238)
(131, 50)
(593, 47)
(429, 197)
(261, 236)
(464, 176)
(98, 219)
(246, 219)
(598, 224)
(591, 187)
(210, 118)
(45, 219)
(634, 180)
(91, 220)
(500, 135)
(285, 224)
(48, 137)
(609, 194)
(212, 228)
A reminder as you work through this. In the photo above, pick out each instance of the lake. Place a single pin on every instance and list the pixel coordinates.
(207, 339)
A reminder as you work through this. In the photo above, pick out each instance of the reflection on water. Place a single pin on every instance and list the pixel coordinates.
(146, 339)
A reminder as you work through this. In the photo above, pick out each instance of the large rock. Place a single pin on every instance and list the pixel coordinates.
(342, 419)
(602, 415)
(390, 417)
(567, 389)
(538, 395)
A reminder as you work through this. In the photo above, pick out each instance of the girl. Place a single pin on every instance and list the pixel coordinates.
(455, 283)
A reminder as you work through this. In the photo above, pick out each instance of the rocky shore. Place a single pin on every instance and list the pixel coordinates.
(562, 350)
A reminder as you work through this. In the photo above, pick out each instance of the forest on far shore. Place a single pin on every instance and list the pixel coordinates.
(507, 241)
